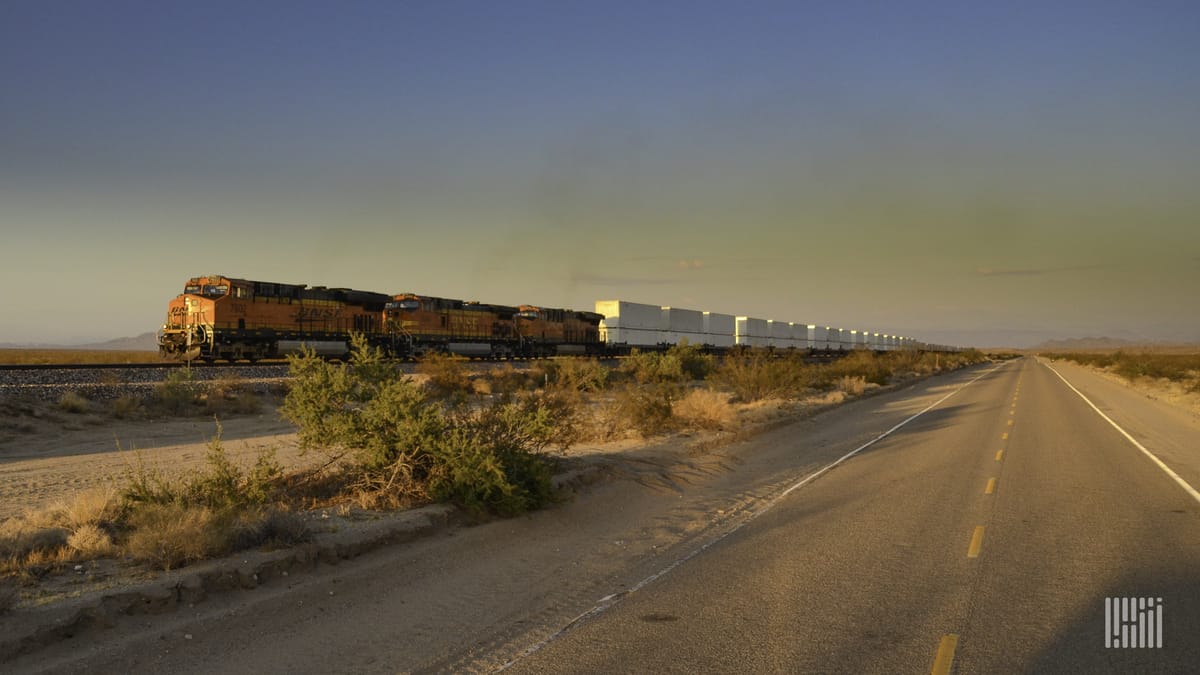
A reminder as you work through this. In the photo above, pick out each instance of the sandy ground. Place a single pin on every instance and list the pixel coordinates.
(50, 456)
(56, 455)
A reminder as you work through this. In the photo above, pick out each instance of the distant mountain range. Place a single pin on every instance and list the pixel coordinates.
(1090, 344)
(146, 342)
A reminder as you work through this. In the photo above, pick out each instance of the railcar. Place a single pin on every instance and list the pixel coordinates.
(418, 324)
(550, 332)
(218, 317)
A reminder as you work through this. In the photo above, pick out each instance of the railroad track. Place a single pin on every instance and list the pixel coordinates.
(133, 366)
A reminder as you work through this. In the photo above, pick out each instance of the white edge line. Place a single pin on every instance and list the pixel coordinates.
(612, 599)
(1182, 483)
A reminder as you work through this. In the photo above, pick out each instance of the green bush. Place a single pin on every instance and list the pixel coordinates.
(576, 374)
(447, 374)
(647, 408)
(862, 363)
(405, 444)
(756, 374)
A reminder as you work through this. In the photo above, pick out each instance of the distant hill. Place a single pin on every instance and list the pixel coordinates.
(1088, 344)
(146, 342)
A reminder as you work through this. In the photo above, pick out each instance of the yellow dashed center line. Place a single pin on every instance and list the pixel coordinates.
(976, 543)
(991, 486)
(1004, 436)
(999, 455)
(945, 655)
(1010, 423)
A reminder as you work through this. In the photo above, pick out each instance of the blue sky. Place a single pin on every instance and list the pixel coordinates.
(961, 172)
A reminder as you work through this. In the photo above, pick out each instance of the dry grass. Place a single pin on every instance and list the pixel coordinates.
(706, 409)
(91, 541)
(72, 402)
(166, 536)
(126, 406)
(851, 386)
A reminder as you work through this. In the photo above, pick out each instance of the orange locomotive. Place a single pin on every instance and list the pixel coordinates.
(219, 317)
(418, 324)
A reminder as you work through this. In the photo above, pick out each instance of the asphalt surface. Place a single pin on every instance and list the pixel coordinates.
(902, 560)
(981, 535)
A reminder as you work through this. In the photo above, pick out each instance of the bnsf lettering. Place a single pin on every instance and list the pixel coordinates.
(308, 313)
(178, 311)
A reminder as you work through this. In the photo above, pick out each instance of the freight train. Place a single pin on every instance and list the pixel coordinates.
(219, 317)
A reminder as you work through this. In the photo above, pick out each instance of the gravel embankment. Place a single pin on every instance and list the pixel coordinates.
(110, 383)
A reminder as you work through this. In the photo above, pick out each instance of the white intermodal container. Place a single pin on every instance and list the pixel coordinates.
(833, 338)
(632, 315)
(718, 329)
(613, 332)
(750, 332)
(850, 339)
(780, 334)
(800, 336)
(682, 324)
(819, 335)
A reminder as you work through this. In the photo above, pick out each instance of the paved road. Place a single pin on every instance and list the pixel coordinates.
(981, 536)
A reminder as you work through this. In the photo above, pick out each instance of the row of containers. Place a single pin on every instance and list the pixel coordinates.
(641, 325)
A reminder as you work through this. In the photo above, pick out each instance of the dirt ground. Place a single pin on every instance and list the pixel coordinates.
(55, 454)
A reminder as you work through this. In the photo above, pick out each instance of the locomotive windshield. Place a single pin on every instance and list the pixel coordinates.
(192, 289)
(528, 314)
(404, 304)
(216, 290)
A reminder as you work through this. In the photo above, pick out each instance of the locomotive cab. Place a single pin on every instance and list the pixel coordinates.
(189, 332)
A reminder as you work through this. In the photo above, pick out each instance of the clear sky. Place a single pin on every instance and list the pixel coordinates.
(970, 172)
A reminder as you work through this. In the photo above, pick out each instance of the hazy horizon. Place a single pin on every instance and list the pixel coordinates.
(946, 171)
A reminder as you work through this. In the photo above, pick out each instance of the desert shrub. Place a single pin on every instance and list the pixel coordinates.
(681, 363)
(88, 507)
(19, 537)
(166, 536)
(230, 394)
(508, 380)
(851, 385)
(646, 408)
(73, 402)
(693, 362)
(576, 374)
(861, 364)
(91, 541)
(447, 374)
(484, 474)
(179, 392)
(126, 406)
(755, 374)
(250, 528)
(407, 446)
(220, 484)
(706, 409)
